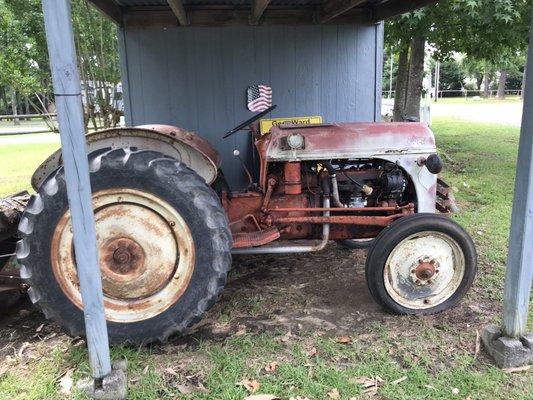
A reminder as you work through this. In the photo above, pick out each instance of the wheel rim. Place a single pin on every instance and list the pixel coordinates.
(146, 254)
(424, 270)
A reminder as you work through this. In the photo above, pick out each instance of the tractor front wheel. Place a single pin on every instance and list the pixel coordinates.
(421, 264)
(162, 238)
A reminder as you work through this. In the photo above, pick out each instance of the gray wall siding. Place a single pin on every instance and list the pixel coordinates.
(196, 77)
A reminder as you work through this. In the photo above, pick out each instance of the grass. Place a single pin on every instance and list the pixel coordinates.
(17, 163)
(480, 162)
(470, 100)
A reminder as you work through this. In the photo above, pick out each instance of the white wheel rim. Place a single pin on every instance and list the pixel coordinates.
(146, 254)
(424, 270)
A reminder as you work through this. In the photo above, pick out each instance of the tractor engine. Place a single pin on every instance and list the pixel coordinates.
(291, 205)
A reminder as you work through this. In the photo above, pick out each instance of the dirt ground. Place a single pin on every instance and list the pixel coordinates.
(324, 292)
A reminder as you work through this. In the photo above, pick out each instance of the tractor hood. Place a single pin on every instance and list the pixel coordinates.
(347, 140)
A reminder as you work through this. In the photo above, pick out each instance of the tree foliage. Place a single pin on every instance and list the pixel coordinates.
(24, 64)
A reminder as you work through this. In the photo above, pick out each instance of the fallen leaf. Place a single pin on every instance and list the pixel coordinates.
(185, 388)
(455, 391)
(365, 381)
(286, 337)
(39, 328)
(344, 340)
(311, 352)
(403, 378)
(241, 331)
(299, 398)
(24, 346)
(250, 384)
(262, 397)
(170, 371)
(271, 367)
(518, 369)
(334, 394)
(65, 382)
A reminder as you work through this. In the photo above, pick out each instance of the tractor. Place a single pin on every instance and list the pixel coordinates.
(168, 223)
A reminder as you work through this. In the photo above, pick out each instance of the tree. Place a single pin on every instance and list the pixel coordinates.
(24, 63)
(481, 29)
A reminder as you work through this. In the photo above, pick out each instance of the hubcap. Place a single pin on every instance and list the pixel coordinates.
(424, 270)
(146, 254)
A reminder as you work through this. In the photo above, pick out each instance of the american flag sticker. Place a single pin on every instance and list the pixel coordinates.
(259, 97)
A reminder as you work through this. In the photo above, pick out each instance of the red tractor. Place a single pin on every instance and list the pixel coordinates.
(167, 222)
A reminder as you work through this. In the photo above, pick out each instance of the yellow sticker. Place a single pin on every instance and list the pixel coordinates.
(266, 124)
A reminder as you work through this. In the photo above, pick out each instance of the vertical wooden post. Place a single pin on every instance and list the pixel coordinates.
(65, 77)
(520, 259)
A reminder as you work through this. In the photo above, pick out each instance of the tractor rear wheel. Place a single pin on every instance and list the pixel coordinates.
(421, 264)
(163, 242)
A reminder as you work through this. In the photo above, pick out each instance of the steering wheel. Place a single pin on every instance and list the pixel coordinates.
(249, 121)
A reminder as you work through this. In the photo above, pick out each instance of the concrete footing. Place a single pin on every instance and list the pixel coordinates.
(111, 387)
(508, 352)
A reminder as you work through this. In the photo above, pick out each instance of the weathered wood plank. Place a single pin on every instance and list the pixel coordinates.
(109, 9)
(66, 81)
(334, 8)
(235, 16)
(258, 8)
(207, 71)
(519, 274)
(179, 11)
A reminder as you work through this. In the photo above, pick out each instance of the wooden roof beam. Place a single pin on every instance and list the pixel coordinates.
(334, 8)
(392, 8)
(179, 11)
(109, 9)
(258, 8)
(211, 15)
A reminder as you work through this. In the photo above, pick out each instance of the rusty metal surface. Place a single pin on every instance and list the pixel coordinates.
(146, 252)
(185, 146)
(254, 239)
(351, 140)
(340, 219)
(293, 179)
(11, 209)
(445, 201)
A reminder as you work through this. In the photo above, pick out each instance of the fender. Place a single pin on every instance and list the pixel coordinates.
(185, 146)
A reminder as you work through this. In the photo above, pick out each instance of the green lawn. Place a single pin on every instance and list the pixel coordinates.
(437, 362)
(17, 163)
(470, 99)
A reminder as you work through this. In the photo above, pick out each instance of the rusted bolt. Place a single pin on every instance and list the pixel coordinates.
(426, 301)
(172, 223)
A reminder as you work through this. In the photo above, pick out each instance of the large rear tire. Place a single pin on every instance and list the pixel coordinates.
(421, 264)
(163, 241)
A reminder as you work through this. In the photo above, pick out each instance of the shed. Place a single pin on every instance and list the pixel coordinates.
(188, 63)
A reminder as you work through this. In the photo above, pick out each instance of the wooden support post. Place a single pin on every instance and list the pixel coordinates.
(65, 77)
(179, 11)
(520, 259)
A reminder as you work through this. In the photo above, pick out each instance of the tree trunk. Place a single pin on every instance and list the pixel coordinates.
(501, 84)
(401, 84)
(486, 84)
(524, 81)
(416, 78)
(14, 110)
(26, 105)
